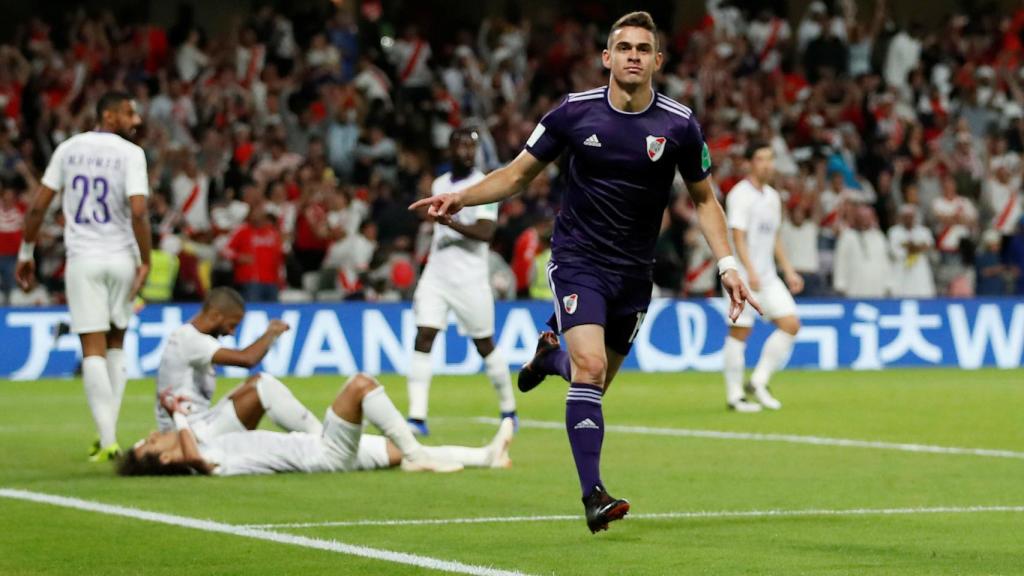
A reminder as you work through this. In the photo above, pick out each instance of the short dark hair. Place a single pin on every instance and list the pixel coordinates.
(149, 465)
(753, 146)
(109, 101)
(224, 298)
(639, 19)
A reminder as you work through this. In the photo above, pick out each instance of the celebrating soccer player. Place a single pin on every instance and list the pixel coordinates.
(105, 188)
(625, 143)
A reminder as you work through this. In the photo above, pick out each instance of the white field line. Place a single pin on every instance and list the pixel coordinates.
(653, 516)
(258, 534)
(789, 438)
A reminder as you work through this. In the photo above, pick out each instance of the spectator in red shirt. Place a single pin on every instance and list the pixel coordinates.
(12, 213)
(257, 251)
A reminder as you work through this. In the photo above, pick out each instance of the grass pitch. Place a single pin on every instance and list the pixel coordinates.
(944, 515)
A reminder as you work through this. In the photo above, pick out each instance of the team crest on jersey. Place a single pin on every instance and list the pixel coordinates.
(569, 302)
(655, 146)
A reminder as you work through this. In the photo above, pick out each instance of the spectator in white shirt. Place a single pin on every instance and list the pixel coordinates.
(799, 235)
(911, 245)
(862, 258)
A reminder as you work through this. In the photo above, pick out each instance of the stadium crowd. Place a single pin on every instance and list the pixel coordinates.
(282, 155)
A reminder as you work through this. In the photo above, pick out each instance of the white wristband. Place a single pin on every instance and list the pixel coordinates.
(180, 421)
(27, 251)
(725, 264)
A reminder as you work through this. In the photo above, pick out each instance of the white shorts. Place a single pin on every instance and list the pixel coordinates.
(348, 449)
(217, 421)
(98, 291)
(472, 302)
(775, 301)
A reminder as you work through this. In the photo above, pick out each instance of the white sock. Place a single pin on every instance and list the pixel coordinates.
(283, 408)
(497, 371)
(420, 371)
(378, 409)
(774, 354)
(734, 365)
(100, 396)
(468, 457)
(118, 379)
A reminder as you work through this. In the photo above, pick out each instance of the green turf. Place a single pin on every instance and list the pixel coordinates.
(45, 430)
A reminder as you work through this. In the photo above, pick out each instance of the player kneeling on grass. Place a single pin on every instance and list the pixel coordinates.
(187, 370)
(340, 445)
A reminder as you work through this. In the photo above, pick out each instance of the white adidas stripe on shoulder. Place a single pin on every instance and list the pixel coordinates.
(670, 102)
(672, 110)
(588, 97)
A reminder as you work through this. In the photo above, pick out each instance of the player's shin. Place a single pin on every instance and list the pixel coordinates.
(774, 354)
(118, 379)
(381, 412)
(96, 380)
(498, 373)
(734, 364)
(584, 422)
(419, 385)
(283, 408)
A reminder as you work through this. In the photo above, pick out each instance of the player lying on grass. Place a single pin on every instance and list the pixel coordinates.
(187, 370)
(340, 446)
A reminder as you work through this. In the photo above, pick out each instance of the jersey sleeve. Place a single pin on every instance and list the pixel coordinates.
(137, 176)
(737, 207)
(549, 138)
(694, 160)
(200, 350)
(53, 178)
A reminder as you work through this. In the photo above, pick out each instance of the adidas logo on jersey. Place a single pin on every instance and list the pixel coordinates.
(585, 424)
(592, 141)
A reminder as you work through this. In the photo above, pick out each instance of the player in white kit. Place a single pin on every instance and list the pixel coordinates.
(755, 215)
(340, 446)
(105, 187)
(456, 278)
(187, 371)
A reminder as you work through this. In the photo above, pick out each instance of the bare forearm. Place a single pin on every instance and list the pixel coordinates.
(143, 236)
(33, 222)
(498, 185)
(481, 230)
(712, 223)
(739, 239)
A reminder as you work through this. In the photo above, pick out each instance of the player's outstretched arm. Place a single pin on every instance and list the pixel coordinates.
(252, 354)
(712, 223)
(25, 272)
(503, 183)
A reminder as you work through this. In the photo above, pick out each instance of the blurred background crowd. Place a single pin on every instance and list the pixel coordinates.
(283, 153)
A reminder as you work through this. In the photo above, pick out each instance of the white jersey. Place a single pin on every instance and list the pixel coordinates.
(265, 452)
(759, 214)
(454, 257)
(97, 172)
(186, 367)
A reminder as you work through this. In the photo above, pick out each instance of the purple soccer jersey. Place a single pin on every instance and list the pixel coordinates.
(620, 171)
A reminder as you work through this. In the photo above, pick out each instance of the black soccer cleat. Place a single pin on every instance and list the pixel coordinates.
(602, 508)
(529, 378)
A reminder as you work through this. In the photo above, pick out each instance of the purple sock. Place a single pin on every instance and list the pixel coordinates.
(584, 423)
(556, 362)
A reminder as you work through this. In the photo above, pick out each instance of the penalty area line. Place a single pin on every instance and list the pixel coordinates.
(256, 533)
(785, 438)
(652, 516)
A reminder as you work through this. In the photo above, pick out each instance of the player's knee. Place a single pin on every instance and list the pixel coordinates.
(425, 339)
(484, 346)
(360, 385)
(589, 367)
(790, 325)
